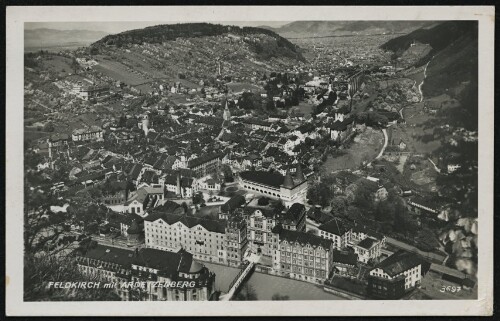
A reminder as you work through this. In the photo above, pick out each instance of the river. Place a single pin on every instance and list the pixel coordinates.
(266, 285)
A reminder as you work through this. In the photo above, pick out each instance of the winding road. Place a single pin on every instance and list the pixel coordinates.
(386, 141)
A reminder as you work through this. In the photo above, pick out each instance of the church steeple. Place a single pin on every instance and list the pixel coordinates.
(227, 113)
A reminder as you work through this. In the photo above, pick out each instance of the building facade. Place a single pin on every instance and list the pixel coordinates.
(236, 240)
(289, 189)
(335, 231)
(205, 165)
(164, 276)
(394, 276)
(301, 256)
(87, 134)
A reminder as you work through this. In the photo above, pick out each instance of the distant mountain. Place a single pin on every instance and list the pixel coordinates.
(300, 29)
(45, 38)
(276, 45)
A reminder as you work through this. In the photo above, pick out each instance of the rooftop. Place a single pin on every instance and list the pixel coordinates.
(272, 179)
(399, 262)
(304, 238)
(334, 226)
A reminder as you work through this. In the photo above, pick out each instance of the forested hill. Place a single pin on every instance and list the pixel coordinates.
(438, 37)
(161, 33)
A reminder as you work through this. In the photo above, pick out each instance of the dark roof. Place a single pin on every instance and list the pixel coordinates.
(399, 262)
(294, 212)
(317, 215)
(164, 260)
(110, 254)
(266, 178)
(334, 226)
(303, 238)
(217, 226)
(234, 202)
(367, 243)
(349, 258)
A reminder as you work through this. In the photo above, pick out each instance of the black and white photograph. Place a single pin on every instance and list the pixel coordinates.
(291, 158)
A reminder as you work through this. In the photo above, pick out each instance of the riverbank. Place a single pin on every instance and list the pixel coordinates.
(266, 285)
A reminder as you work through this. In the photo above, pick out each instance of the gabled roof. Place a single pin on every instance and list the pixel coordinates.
(399, 262)
(334, 226)
(367, 243)
(295, 212)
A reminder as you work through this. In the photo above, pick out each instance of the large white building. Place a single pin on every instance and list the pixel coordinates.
(289, 189)
(85, 134)
(206, 239)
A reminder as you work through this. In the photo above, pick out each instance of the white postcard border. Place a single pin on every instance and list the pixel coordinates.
(15, 18)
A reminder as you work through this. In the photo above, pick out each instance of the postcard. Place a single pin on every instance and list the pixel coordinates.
(249, 161)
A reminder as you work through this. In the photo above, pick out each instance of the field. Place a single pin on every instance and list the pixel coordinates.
(59, 65)
(305, 108)
(118, 71)
(364, 148)
(30, 134)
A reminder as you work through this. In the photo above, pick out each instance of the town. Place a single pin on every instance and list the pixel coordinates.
(237, 165)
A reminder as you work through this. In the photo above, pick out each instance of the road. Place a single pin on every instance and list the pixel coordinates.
(386, 141)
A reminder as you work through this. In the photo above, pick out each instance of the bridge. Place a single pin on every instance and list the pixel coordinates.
(238, 280)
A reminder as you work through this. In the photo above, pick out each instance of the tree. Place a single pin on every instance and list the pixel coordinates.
(319, 194)
(94, 51)
(122, 122)
(279, 297)
(43, 268)
(49, 127)
(263, 201)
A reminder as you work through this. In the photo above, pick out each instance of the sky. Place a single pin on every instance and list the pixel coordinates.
(116, 27)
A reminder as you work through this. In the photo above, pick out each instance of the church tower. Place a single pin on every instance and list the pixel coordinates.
(145, 125)
(227, 114)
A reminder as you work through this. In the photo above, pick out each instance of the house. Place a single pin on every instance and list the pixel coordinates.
(336, 231)
(143, 199)
(393, 277)
(369, 248)
(87, 134)
(294, 218)
(344, 263)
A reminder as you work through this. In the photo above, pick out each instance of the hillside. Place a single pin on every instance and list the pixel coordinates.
(192, 52)
(274, 45)
(300, 29)
(452, 59)
(46, 38)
